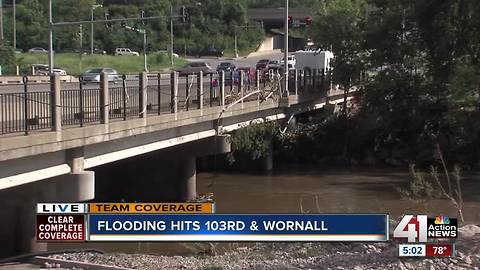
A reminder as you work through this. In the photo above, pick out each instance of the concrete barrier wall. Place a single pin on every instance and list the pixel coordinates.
(34, 79)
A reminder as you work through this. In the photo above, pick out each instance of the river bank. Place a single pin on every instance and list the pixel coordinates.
(356, 256)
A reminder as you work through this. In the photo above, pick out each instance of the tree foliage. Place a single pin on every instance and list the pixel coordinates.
(212, 24)
(424, 55)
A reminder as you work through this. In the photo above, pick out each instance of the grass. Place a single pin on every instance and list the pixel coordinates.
(75, 64)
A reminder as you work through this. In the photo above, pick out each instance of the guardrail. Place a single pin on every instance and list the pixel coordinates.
(35, 110)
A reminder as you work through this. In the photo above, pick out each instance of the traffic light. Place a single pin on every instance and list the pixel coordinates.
(142, 15)
(308, 21)
(290, 20)
(107, 18)
(184, 14)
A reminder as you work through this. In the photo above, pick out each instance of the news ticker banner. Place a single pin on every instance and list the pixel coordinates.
(198, 222)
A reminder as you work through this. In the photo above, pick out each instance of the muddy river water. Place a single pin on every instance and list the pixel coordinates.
(307, 189)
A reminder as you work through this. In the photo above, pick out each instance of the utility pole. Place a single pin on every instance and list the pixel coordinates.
(81, 44)
(236, 45)
(50, 37)
(285, 55)
(14, 26)
(171, 34)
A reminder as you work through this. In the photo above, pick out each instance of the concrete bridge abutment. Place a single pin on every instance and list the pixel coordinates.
(165, 175)
(17, 225)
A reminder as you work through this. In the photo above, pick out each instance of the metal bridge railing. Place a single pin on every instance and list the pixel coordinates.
(35, 110)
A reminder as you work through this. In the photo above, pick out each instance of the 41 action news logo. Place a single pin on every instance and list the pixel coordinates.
(418, 228)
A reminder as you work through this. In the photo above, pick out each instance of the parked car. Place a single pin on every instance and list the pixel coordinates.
(43, 70)
(262, 64)
(226, 66)
(96, 51)
(93, 75)
(125, 51)
(195, 67)
(37, 50)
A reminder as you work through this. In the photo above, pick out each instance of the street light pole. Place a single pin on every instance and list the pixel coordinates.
(81, 44)
(285, 55)
(236, 45)
(14, 26)
(91, 26)
(50, 37)
(145, 68)
(171, 34)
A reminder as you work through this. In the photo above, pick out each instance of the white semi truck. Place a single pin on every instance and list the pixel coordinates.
(313, 60)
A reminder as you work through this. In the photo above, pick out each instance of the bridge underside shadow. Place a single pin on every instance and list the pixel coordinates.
(164, 175)
(168, 175)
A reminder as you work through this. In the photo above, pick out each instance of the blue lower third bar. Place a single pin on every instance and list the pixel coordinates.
(238, 227)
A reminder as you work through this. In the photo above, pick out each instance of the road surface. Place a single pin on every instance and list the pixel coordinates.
(132, 80)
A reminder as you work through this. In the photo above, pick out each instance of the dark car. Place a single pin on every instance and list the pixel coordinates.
(206, 52)
(262, 64)
(95, 51)
(195, 67)
(226, 66)
(274, 64)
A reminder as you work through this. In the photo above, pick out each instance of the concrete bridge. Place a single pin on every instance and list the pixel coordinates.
(275, 17)
(53, 142)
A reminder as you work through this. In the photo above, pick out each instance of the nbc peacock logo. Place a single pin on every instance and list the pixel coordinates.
(442, 220)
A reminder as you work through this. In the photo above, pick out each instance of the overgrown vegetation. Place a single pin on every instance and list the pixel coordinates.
(425, 187)
(253, 141)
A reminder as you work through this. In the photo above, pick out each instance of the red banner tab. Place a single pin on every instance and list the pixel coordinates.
(439, 250)
(60, 228)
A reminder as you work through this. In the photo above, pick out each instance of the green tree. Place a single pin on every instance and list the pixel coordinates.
(7, 58)
(339, 27)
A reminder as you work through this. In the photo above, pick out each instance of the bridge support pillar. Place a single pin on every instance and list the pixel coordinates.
(72, 187)
(26, 231)
(187, 175)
